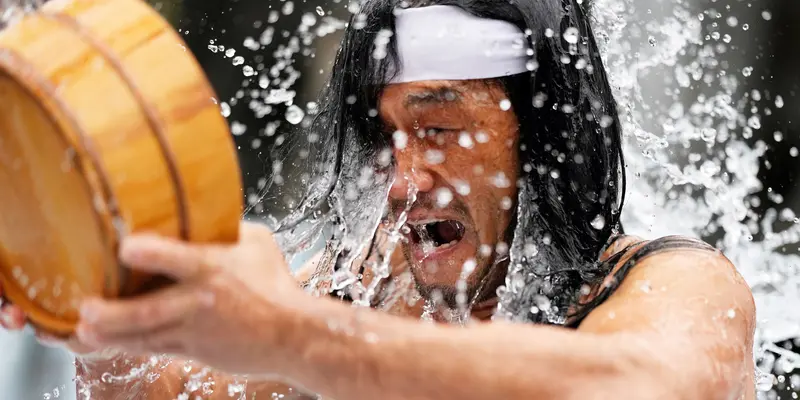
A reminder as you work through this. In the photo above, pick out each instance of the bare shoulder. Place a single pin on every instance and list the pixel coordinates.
(683, 300)
(676, 269)
(665, 257)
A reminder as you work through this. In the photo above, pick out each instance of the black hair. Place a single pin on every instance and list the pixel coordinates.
(572, 183)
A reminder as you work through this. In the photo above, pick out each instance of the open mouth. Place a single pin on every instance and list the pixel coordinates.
(436, 234)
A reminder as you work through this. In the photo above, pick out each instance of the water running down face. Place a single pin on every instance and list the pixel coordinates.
(456, 142)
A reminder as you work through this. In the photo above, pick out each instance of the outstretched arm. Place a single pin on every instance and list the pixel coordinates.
(688, 337)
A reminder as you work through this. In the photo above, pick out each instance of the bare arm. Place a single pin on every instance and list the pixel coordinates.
(690, 337)
(172, 381)
(126, 377)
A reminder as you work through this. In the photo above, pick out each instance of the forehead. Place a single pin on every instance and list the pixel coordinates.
(440, 93)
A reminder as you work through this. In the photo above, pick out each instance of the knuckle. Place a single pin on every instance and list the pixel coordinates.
(146, 314)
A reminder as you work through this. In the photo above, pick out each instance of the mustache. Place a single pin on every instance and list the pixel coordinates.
(427, 201)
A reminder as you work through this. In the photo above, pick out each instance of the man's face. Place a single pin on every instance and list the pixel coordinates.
(456, 143)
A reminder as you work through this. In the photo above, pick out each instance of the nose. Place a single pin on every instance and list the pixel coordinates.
(409, 173)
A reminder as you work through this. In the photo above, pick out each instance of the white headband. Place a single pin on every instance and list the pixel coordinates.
(448, 43)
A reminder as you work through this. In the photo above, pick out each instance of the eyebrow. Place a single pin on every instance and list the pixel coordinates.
(433, 96)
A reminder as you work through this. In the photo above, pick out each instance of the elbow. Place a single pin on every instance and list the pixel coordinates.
(680, 377)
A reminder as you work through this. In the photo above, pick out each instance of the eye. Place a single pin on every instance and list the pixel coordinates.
(433, 132)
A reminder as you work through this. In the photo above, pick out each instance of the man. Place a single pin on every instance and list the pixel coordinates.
(474, 96)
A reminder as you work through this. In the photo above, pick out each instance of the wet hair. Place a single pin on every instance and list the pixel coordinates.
(572, 182)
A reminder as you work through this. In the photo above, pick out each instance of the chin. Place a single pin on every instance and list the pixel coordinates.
(442, 266)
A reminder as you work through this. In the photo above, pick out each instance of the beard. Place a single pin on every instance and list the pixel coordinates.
(481, 284)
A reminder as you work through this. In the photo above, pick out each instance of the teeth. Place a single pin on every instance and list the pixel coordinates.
(426, 222)
(446, 245)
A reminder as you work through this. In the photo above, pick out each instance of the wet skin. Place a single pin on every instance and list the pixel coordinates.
(237, 308)
(457, 139)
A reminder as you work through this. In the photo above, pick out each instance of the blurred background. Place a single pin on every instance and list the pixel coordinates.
(218, 32)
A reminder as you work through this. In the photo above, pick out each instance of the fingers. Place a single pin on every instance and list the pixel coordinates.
(11, 317)
(164, 256)
(103, 320)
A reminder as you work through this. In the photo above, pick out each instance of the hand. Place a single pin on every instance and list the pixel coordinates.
(12, 318)
(226, 309)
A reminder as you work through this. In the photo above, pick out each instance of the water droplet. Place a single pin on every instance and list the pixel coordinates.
(599, 222)
(754, 122)
(385, 157)
(237, 128)
(320, 11)
(485, 250)
(251, 44)
(465, 140)
(766, 15)
(793, 152)
(652, 41)
(434, 157)
(443, 197)
(745, 27)
(778, 101)
(248, 70)
(501, 181)
(532, 65)
(709, 135)
(462, 187)
(400, 139)
(542, 302)
(238, 60)
(482, 137)
(506, 203)
(530, 250)
(308, 19)
(778, 135)
(731, 313)
(505, 104)
(469, 267)
(288, 8)
(747, 71)
(501, 248)
(230, 53)
(106, 377)
(266, 36)
(294, 114)
(732, 21)
(571, 35)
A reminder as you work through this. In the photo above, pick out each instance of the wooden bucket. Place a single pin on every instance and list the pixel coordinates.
(107, 126)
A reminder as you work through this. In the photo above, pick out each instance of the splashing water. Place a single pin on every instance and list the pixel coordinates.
(692, 170)
(694, 174)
